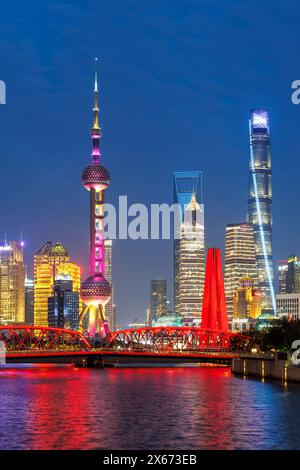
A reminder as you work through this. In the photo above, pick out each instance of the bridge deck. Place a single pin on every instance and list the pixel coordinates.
(103, 357)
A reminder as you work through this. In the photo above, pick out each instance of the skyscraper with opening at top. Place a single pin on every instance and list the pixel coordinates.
(191, 256)
(185, 185)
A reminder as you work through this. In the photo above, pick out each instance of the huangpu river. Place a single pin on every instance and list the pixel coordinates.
(145, 408)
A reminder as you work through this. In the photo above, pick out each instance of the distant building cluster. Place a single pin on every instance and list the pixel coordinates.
(248, 263)
(52, 297)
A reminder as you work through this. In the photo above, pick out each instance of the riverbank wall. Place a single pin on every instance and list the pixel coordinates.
(276, 368)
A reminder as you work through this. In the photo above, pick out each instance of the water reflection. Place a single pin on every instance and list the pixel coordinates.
(145, 408)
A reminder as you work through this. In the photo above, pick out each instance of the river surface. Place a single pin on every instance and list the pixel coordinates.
(145, 408)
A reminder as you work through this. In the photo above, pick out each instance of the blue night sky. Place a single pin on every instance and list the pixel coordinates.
(178, 79)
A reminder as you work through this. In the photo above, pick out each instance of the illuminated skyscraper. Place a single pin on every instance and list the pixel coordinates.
(240, 260)
(96, 289)
(29, 301)
(247, 300)
(191, 261)
(293, 275)
(51, 262)
(260, 204)
(158, 298)
(63, 305)
(282, 275)
(12, 277)
(185, 184)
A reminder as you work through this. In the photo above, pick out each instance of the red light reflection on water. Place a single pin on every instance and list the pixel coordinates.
(128, 408)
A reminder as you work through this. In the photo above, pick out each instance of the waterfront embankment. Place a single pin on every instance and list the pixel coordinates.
(277, 367)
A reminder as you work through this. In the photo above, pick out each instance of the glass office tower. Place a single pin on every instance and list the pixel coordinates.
(259, 212)
(293, 275)
(240, 260)
(191, 256)
(185, 184)
(63, 305)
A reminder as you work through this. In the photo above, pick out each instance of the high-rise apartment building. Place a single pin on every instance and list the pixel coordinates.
(240, 260)
(63, 305)
(51, 262)
(185, 184)
(191, 261)
(158, 299)
(12, 278)
(260, 204)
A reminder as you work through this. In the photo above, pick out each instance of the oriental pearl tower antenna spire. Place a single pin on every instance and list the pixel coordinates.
(95, 291)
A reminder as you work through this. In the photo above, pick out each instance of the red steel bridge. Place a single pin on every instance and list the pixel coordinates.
(211, 342)
(45, 344)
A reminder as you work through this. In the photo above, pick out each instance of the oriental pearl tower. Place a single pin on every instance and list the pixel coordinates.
(95, 291)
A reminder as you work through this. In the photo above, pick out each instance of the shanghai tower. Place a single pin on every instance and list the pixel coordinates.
(259, 212)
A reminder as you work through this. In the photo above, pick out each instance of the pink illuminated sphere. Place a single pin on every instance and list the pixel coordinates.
(95, 176)
(95, 290)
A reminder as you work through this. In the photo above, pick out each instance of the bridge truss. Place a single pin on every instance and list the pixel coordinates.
(22, 339)
(39, 338)
(168, 339)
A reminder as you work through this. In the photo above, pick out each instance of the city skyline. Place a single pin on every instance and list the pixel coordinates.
(200, 190)
(149, 235)
(61, 85)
